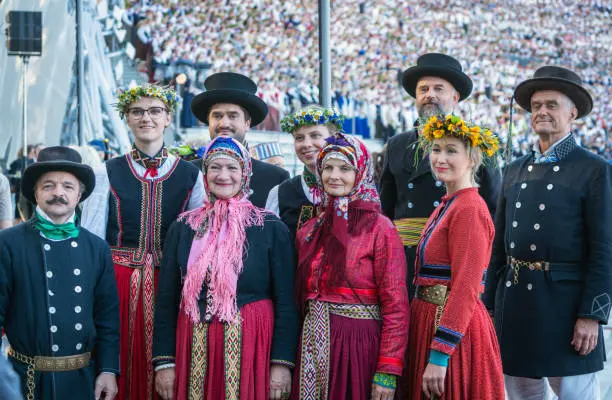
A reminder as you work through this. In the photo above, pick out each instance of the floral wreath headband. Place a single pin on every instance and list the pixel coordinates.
(312, 116)
(439, 126)
(129, 96)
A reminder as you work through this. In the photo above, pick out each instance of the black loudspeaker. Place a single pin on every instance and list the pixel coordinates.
(24, 33)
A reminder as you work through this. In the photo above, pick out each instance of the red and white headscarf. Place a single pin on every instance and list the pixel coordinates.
(341, 216)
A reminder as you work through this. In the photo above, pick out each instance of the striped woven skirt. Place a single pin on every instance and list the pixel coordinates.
(217, 361)
(338, 352)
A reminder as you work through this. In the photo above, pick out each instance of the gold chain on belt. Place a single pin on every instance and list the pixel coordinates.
(29, 361)
(516, 266)
(50, 364)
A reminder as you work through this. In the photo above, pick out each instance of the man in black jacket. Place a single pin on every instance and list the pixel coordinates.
(549, 283)
(58, 296)
(230, 107)
(408, 190)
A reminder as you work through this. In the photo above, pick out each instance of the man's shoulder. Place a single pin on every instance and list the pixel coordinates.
(86, 235)
(270, 170)
(595, 160)
(403, 138)
(13, 234)
(188, 165)
(196, 163)
(120, 160)
(296, 181)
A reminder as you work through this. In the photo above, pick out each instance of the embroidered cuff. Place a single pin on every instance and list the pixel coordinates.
(164, 366)
(385, 380)
(447, 337)
(438, 358)
(283, 362)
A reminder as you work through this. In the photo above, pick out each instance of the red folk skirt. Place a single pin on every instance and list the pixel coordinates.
(215, 361)
(474, 370)
(136, 289)
(352, 345)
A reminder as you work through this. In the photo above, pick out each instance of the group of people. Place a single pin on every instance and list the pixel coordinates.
(222, 278)
(499, 43)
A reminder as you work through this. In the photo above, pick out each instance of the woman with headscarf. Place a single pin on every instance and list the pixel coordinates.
(350, 285)
(225, 318)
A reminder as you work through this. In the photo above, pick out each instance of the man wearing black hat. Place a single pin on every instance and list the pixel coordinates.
(58, 297)
(409, 191)
(550, 280)
(230, 107)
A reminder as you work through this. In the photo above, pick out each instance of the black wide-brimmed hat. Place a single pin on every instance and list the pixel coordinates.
(57, 158)
(441, 66)
(233, 88)
(559, 79)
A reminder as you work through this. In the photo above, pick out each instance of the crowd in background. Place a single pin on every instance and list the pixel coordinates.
(276, 43)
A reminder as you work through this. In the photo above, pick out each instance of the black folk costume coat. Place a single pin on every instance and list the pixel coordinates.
(59, 298)
(294, 208)
(409, 189)
(560, 213)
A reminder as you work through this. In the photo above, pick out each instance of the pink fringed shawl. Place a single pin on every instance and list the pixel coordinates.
(220, 242)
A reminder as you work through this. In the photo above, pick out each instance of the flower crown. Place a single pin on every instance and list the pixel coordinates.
(438, 127)
(312, 116)
(188, 152)
(129, 96)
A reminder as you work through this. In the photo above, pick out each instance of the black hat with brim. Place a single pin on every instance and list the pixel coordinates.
(441, 66)
(57, 158)
(559, 79)
(232, 88)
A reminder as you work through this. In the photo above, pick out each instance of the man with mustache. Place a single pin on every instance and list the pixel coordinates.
(137, 197)
(230, 107)
(408, 191)
(58, 296)
(549, 284)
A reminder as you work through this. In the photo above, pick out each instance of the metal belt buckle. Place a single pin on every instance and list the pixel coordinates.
(435, 294)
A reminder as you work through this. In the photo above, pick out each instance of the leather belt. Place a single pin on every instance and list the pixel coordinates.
(47, 364)
(52, 364)
(546, 266)
(435, 294)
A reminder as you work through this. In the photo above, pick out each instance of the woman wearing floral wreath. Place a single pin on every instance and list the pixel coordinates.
(350, 285)
(296, 199)
(226, 324)
(453, 351)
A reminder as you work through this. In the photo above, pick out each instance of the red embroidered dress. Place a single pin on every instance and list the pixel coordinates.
(454, 251)
(376, 270)
(351, 289)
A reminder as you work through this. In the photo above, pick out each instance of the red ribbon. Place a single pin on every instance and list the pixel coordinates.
(151, 171)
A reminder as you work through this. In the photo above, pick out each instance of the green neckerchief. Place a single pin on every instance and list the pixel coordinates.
(54, 231)
(309, 178)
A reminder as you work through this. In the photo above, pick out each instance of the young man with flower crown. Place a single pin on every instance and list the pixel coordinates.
(137, 197)
(549, 284)
(296, 199)
(408, 190)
